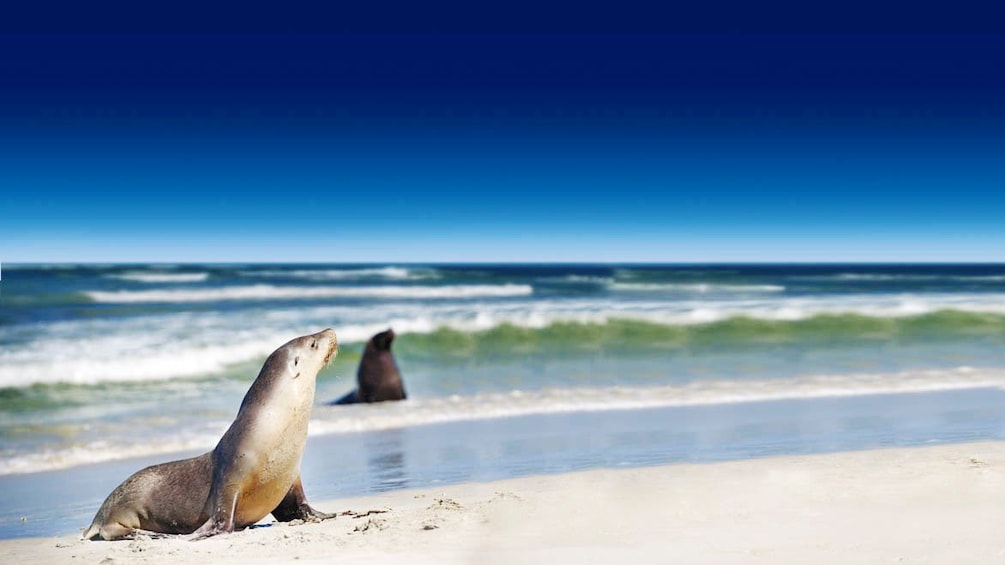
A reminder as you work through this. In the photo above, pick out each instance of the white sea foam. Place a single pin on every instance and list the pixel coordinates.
(484, 315)
(696, 288)
(154, 364)
(388, 273)
(100, 451)
(436, 410)
(90, 352)
(144, 348)
(339, 419)
(579, 279)
(193, 344)
(271, 292)
(154, 277)
(908, 277)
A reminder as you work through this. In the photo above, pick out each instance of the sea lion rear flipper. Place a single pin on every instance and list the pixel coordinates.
(116, 531)
(294, 506)
(92, 532)
(349, 398)
(109, 532)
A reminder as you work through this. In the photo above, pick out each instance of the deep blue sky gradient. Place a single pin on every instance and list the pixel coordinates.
(165, 141)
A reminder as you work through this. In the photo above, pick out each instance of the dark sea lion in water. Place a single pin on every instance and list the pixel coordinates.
(378, 378)
(253, 471)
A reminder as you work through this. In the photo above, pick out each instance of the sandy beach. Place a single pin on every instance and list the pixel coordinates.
(938, 504)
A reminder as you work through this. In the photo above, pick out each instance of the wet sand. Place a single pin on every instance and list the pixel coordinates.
(937, 504)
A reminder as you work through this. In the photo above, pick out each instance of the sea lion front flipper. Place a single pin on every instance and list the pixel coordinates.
(294, 506)
(221, 512)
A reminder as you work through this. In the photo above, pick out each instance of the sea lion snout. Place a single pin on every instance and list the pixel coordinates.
(332, 346)
(326, 339)
(383, 339)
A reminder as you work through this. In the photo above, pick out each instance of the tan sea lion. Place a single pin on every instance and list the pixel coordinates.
(378, 378)
(253, 471)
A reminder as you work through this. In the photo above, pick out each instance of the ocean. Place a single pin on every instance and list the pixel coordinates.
(510, 369)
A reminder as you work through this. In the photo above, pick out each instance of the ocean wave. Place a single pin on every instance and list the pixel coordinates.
(271, 292)
(193, 344)
(121, 357)
(41, 266)
(696, 288)
(622, 335)
(175, 346)
(660, 273)
(536, 313)
(387, 273)
(154, 277)
(327, 420)
(348, 419)
(901, 277)
(100, 451)
(579, 280)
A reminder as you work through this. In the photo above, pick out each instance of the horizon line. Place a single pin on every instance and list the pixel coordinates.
(502, 262)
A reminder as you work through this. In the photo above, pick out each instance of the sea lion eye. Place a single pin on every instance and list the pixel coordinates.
(296, 361)
(314, 345)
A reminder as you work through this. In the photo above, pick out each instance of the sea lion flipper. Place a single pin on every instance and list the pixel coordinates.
(349, 398)
(115, 531)
(109, 532)
(222, 506)
(294, 506)
(211, 528)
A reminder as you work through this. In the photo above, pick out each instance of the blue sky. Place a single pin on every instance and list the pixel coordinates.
(500, 143)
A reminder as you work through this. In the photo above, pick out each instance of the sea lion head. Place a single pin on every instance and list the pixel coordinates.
(305, 355)
(382, 341)
(311, 353)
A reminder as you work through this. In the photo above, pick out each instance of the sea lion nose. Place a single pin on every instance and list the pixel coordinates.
(332, 343)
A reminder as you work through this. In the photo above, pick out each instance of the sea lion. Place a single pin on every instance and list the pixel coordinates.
(377, 378)
(253, 471)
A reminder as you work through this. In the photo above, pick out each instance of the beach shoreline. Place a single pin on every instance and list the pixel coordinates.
(339, 466)
(934, 504)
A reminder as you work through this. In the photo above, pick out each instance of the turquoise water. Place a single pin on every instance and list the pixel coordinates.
(106, 362)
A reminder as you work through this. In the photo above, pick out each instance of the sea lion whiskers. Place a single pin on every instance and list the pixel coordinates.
(332, 350)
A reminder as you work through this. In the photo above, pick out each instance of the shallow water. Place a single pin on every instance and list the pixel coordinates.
(426, 456)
